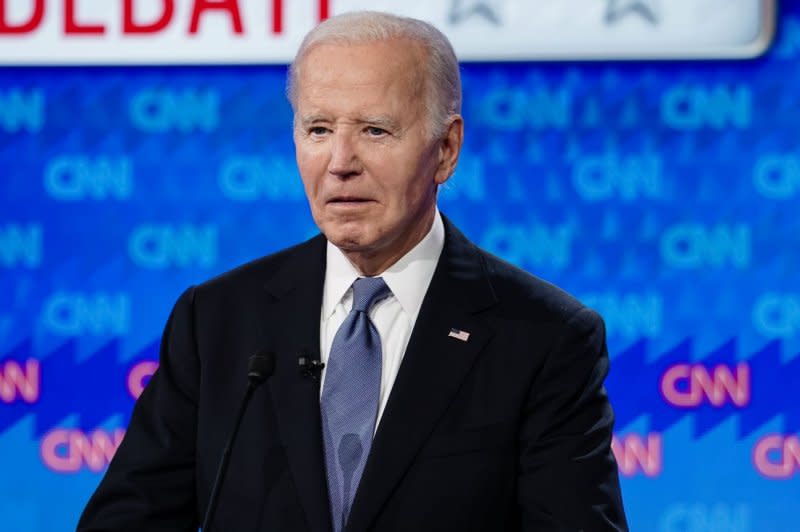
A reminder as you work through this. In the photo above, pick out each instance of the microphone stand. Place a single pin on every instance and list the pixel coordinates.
(260, 367)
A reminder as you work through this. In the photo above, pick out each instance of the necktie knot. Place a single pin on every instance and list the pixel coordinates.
(367, 291)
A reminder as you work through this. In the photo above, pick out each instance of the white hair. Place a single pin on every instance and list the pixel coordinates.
(441, 76)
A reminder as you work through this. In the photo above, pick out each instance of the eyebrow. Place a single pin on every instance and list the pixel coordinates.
(313, 119)
(378, 120)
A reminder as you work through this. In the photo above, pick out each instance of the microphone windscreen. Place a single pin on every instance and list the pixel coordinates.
(260, 366)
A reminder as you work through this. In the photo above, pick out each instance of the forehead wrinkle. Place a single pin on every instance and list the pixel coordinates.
(321, 88)
(409, 63)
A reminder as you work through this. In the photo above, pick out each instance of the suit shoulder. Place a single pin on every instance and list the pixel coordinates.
(257, 272)
(530, 295)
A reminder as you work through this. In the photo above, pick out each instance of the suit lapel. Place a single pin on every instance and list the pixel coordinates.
(297, 293)
(432, 370)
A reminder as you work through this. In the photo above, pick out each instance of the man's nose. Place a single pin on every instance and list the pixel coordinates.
(344, 160)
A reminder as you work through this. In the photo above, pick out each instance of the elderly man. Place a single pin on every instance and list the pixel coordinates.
(458, 392)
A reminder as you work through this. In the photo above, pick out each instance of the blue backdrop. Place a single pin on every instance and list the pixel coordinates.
(666, 195)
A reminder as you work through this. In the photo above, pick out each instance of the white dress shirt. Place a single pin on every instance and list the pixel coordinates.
(394, 317)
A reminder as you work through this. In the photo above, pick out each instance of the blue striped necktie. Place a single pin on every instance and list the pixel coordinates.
(349, 403)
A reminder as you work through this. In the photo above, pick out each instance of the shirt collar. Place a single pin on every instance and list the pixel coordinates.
(408, 278)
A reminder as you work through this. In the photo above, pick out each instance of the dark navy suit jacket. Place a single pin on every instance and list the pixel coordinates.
(509, 430)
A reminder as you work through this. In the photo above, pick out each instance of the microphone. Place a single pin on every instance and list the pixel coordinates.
(259, 368)
(310, 368)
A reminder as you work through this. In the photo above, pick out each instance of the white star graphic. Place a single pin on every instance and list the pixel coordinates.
(618, 9)
(461, 10)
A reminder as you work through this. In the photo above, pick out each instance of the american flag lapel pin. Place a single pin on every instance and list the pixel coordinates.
(458, 334)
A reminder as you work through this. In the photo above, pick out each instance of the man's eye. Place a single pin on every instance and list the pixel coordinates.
(376, 131)
(318, 130)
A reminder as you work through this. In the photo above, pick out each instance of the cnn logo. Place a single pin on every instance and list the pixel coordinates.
(70, 450)
(777, 456)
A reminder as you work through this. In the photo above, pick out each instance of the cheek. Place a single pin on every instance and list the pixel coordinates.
(413, 186)
(396, 177)
(404, 198)
(312, 169)
(309, 187)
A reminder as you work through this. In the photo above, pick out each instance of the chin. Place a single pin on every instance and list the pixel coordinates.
(347, 238)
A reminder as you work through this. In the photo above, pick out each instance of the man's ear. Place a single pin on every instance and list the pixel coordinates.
(450, 148)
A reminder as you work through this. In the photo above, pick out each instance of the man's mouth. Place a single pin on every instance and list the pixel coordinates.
(348, 200)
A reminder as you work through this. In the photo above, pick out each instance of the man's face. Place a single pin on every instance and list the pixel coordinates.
(368, 166)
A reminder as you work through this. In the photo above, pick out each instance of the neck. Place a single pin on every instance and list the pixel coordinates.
(370, 264)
